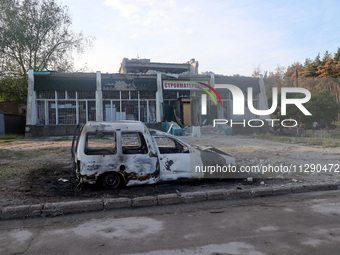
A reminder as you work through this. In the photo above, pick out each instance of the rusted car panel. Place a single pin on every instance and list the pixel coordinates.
(127, 152)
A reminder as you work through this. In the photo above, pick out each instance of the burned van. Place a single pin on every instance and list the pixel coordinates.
(128, 153)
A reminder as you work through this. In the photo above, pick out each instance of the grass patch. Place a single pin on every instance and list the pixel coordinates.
(53, 151)
(325, 142)
(5, 142)
(314, 141)
(23, 155)
(9, 154)
(330, 143)
(336, 132)
(12, 173)
(7, 139)
(11, 136)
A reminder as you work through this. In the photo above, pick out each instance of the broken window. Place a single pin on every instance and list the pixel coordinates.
(100, 143)
(167, 145)
(134, 143)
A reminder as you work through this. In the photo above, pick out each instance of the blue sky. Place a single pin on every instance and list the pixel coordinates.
(226, 37)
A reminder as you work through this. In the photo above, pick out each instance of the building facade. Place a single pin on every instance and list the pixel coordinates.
(58, 102)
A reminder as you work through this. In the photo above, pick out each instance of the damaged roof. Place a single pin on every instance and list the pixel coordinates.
(49, 81)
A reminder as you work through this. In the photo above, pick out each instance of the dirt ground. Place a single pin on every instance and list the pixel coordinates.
(39, 170)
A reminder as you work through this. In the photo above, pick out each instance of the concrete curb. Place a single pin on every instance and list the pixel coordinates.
(61, 208)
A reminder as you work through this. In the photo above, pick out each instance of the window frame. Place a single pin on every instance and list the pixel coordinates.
(105, 150)
(141, 148)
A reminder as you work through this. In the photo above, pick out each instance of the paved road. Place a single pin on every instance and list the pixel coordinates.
(305, 223)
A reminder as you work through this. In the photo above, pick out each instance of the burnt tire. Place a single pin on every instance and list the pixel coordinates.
(111, 180)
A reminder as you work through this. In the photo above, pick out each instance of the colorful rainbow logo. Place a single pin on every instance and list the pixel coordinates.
(209, 93)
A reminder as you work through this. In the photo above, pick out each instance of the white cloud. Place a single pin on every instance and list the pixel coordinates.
(212, 32)
(144, 12)
(134, 36)
(127, 9)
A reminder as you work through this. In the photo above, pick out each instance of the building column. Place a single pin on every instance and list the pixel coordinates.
(31, 114)
(159, 99)
(99, 97)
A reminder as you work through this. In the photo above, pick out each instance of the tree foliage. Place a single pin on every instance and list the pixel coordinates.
(37, 34)
(322, 106)
(321, 76)
(13, 89)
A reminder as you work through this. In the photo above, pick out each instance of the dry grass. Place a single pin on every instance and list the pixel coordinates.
(323, 141)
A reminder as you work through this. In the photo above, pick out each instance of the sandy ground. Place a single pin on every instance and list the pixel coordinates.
(39, 170)
(307, 161)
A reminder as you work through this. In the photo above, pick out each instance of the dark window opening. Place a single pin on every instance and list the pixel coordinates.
(134, 143)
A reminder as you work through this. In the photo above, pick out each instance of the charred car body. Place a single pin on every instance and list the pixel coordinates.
(128, 153)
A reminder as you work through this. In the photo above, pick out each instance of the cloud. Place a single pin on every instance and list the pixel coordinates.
(134, 36)
(220, 33)
(144, 12)
(127, 9)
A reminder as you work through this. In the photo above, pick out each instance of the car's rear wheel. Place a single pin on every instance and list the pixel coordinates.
(111, 180)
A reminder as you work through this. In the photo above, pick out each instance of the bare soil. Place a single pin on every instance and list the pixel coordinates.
(40, 170)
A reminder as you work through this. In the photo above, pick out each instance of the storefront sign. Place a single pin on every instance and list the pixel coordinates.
(183, 85)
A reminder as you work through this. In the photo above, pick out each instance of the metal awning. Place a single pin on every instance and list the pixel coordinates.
(48, 83)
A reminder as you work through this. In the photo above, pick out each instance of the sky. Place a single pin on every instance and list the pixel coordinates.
(225, 36)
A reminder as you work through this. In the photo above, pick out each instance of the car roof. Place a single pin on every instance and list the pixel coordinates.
(115, 125)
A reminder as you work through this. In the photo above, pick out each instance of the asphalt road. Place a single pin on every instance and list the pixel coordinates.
(306, 223)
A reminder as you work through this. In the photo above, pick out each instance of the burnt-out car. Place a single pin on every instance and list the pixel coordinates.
(128, 153)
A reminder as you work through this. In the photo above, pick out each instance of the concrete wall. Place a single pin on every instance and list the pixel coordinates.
(51, 130)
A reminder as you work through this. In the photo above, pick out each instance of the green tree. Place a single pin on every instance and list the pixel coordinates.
(35, 34)
(309, 69)
(326, 57)
(317, 60)
(337, 56)
(13, 89)
(322, 106)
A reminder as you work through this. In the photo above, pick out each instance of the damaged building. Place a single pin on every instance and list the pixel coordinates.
(142, 90)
